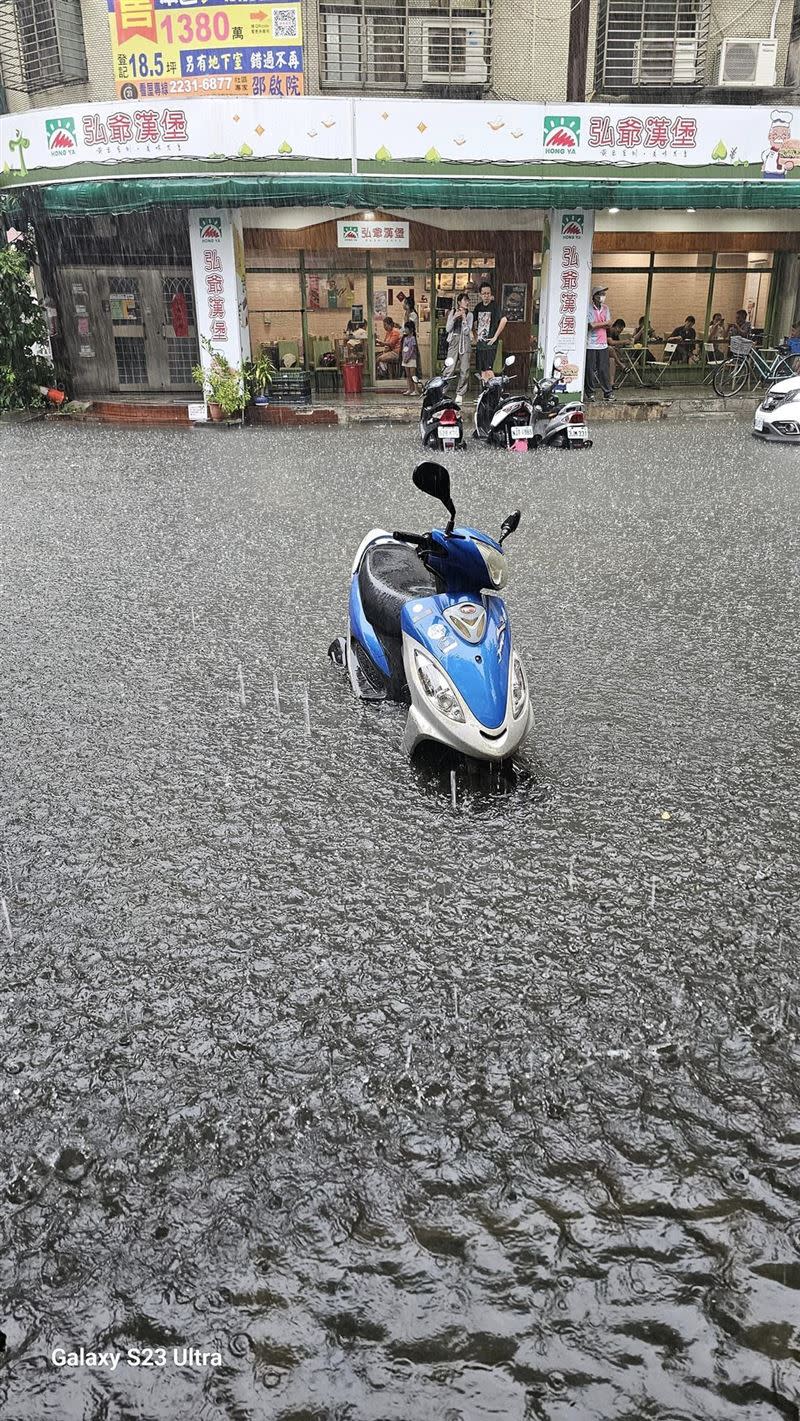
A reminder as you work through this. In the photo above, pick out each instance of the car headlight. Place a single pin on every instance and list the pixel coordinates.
(519, 689)
(437, 687)
(496, 565)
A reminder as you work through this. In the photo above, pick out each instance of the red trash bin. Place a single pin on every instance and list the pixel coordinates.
(351, 378)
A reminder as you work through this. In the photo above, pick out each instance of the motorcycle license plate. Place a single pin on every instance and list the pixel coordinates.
(522, 431)
(448, 436)
(576, 431)
(758, 422)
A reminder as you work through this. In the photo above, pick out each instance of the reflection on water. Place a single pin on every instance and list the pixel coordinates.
(412, 1113)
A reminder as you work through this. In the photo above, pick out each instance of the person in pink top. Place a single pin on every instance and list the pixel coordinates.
(597, 373)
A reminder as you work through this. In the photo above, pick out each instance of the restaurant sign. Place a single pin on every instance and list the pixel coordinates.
(206, 49)
(373, 234)
(565, 281)
(720, 139)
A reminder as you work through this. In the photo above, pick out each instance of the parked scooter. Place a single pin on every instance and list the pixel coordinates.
(503, 417)
(557, 425)
(440, 422)
(427, 626)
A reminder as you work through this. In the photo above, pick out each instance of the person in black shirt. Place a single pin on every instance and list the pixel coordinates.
(488, 326)
(686, 335)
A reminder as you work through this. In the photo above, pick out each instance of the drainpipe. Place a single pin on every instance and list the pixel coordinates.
(774, 21)
(578, 51)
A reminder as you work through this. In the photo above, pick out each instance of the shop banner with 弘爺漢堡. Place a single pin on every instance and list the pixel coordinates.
(86, 139)
(710, 140)
(212, 49)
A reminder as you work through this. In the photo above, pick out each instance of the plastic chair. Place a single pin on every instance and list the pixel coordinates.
(288, 347)
(660, 367)
(320, 345)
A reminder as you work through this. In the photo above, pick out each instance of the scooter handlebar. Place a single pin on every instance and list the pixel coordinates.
(416, 538)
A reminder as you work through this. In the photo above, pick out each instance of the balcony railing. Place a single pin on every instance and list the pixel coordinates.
(443, 49)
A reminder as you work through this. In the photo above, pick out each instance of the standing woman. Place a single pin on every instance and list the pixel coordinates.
(410, 313)
(459, 343)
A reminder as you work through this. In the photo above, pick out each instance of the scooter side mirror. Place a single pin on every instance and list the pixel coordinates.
(435, 480)
(509, 360)
(449, 363)
(511, 524)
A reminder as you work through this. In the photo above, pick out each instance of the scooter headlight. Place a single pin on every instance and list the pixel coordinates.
(519, 688)
(437, 687)
(495, 564)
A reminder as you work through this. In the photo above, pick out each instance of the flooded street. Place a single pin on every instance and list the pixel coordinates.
(412, 1113)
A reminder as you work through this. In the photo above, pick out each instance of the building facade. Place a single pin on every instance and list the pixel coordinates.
(345, 166)
(56, 52)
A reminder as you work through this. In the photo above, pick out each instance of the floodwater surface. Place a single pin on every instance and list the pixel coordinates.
(410, 1112)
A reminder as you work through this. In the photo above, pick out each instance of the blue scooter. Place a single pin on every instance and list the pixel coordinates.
(427, 626)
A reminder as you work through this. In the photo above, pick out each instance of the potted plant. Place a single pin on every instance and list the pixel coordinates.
(26, 373)
(259, 374)
(223, 384)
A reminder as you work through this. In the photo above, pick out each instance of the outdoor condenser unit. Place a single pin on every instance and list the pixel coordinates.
(747, 63)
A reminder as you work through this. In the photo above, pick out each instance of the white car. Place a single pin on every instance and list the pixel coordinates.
(778, 415)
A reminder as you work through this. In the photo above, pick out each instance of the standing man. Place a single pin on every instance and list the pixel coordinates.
(488, 327)
(597, 375)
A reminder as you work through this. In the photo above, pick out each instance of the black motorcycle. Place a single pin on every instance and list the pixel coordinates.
(440, 422)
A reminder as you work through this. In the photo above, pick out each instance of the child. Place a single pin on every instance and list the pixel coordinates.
(794, 347)
(409, 357)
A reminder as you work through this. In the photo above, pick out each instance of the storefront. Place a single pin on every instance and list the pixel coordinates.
(333, 229)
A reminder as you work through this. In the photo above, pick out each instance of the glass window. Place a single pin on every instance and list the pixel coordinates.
(123, 293)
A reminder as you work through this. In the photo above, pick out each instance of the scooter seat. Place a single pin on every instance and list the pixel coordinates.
(389, 576)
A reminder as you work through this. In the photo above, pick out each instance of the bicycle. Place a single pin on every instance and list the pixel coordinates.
(747, 366)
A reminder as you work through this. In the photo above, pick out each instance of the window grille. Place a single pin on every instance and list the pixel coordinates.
(131, 360)
(393, 45)
(42, 44)
(656, 43)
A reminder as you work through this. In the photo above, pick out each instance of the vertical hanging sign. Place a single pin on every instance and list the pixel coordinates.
(566, 282)
(221, 313)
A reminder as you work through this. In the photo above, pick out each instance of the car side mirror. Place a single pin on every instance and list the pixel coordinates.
(511, 524)
(434, 480)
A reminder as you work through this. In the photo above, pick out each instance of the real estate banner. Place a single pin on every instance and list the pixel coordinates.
(207, 49)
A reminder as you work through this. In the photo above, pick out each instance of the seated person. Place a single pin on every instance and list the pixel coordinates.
(614, 342)
(642, 337)
(354, 338)
(389, 349)
(793, 344)
(686, 336)
(717, 333)
(741, 326)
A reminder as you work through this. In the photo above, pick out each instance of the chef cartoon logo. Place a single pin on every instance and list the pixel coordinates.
(783, 153)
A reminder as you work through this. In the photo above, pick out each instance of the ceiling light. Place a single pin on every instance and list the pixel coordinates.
(690, 209)
(369, 216)
(612, 210)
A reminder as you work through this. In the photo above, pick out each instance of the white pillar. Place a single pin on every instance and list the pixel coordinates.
(565, 294)
(220, 299)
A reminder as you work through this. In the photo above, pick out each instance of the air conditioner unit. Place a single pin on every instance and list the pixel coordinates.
(665, 61)
(747, 63)
(453, 54)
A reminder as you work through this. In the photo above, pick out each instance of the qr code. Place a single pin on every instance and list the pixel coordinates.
(284, 24)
